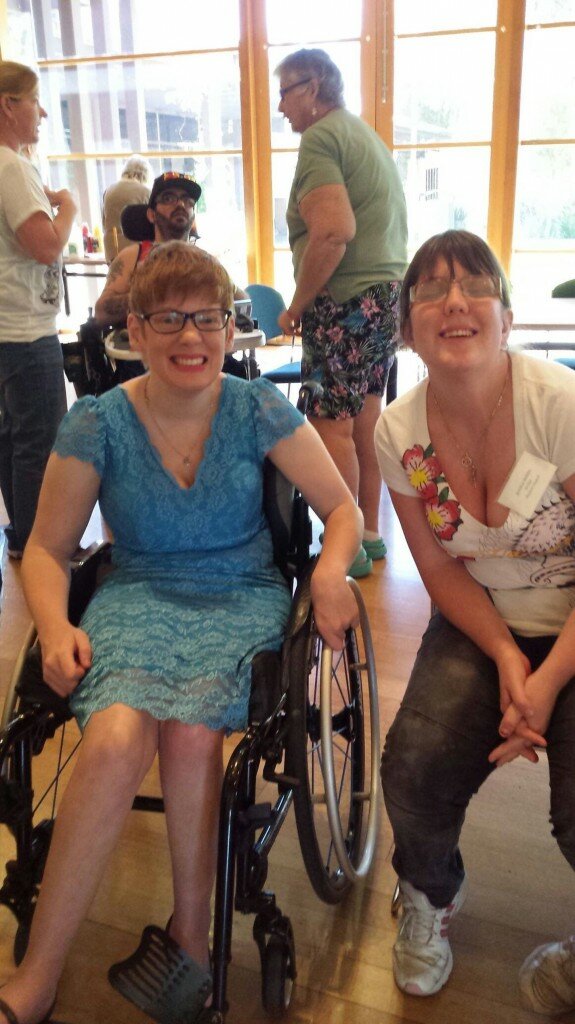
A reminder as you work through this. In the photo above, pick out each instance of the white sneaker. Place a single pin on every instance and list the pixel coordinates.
(422, 959)
(547, 978)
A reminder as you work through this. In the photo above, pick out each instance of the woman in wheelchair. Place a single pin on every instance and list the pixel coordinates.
(161, 662)
(480, 464)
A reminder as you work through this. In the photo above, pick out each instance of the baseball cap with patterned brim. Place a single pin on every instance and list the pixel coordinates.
(174, 179)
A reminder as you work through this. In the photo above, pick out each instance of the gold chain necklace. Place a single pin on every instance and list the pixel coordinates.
(185, 457)
(466, 459)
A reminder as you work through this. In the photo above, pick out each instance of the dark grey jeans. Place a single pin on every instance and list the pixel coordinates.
(32, 403)
(435, 756)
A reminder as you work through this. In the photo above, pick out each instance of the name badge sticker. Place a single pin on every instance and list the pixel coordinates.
(526, 484)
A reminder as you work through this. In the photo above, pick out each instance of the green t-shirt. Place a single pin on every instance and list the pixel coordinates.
(340, 149)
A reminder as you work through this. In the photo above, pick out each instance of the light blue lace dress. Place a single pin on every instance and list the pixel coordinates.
(195, 593)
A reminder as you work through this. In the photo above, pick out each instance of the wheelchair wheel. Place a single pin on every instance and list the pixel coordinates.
(36, 748)
(277, 976)
(11, 699)
(332, 708)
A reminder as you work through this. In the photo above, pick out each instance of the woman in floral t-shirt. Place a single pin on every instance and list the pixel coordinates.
(480, 464)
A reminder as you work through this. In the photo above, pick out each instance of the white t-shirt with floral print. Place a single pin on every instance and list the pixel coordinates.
(528, 565)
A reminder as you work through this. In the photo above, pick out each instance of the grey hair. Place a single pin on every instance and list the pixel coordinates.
(317, 64)
(138, 168)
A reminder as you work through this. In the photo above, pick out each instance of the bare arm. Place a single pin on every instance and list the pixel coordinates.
(304, 460)
(330, 222)
(69, 493)
(112, 305)
(42, 238)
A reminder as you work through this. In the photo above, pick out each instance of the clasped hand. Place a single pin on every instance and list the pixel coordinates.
(66, 657)
(527, 704)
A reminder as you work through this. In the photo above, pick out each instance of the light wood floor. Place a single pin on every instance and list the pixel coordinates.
(521, 891)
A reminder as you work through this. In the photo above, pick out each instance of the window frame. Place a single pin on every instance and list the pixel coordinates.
(377, 43)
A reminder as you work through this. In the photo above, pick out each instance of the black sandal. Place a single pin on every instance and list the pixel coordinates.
(161, 979)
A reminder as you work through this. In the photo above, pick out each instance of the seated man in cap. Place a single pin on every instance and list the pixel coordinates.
(171, 211)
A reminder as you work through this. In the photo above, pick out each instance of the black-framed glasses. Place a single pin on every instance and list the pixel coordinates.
(473, 286)
(171, 198)
(294, 85)
(170, 321)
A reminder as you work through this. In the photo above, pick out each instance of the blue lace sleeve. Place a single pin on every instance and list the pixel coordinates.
(82, 433)
(274, 417)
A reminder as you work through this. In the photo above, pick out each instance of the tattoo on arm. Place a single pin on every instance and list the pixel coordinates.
(116, 270)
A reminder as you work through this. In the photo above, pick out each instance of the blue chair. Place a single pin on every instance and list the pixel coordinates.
(267, 304)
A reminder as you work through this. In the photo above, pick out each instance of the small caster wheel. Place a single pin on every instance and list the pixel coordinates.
(277, 976)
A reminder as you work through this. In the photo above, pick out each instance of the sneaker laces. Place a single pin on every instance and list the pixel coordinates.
(423, 925)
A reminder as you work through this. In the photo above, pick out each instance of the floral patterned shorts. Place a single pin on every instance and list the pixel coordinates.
(349, 348)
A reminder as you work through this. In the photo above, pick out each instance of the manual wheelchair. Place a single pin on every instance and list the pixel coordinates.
(313, 732)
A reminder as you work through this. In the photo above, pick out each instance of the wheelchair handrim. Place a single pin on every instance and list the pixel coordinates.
(353, 873)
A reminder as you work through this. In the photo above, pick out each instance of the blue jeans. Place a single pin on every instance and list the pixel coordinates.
(435, 756)
(32, 403)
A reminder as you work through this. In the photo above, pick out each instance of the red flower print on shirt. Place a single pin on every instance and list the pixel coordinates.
(443, 517)
(426, 477)
(422, 471)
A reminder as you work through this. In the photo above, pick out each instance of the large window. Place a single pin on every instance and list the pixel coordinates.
(166, 93)
(442, 134)
(544, 225)
(475, 99)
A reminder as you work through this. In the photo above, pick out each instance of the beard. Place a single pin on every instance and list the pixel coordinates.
(174, 228)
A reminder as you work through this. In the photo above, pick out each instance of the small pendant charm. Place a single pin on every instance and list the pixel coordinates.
(186, 461)
(468, 464)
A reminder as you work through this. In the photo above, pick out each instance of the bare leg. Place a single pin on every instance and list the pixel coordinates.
(369, 491)
(118, 747)
(192, 774)
(337, 435)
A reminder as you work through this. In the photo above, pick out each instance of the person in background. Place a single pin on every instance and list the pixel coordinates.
(172, 212)
(480, 465)
(347, 226)
(131, 188)
(32, 238)
(161, 662)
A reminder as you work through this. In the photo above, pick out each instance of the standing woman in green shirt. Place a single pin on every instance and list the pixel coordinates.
(347, 225)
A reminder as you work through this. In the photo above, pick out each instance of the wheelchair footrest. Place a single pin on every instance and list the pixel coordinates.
(162, 980)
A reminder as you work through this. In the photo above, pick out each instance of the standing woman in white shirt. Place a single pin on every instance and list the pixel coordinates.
(32, 237)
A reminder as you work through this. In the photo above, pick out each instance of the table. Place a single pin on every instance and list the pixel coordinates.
(549, 315)
(96, 260)
(117, 346)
